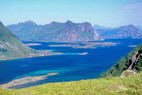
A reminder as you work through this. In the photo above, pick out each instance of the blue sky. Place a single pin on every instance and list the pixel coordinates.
(111, 13)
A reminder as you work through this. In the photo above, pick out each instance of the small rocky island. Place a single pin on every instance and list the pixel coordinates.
(88, 45)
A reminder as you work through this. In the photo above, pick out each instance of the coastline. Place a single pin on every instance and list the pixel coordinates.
(40, 53)
(26, 80)
(37, 54)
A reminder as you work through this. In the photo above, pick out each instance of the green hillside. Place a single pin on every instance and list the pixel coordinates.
(11, 47)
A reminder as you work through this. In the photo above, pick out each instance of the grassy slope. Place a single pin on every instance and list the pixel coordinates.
(103, 86)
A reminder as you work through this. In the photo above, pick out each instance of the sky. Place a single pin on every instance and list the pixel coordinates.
(110, 13)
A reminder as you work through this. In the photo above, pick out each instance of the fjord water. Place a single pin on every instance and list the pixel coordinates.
(69, 67)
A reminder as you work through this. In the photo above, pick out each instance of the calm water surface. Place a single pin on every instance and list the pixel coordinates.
(70, 67)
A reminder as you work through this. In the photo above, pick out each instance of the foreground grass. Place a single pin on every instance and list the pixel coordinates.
(104, 86)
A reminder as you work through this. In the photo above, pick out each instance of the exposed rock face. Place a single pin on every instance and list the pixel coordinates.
(131, 70)
(128, 73)
(129, 31)
(55, 31)
(134, 60)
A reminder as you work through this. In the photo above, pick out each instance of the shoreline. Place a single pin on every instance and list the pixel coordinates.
(26, 80)
(38, 54)
(41, 53)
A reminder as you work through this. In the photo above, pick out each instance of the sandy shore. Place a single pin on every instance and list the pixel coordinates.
(26, 80)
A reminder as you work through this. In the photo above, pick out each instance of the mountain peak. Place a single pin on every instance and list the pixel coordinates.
(87, 24)
(69, 22)
(130, 25)
(28, 22)
(54, 22)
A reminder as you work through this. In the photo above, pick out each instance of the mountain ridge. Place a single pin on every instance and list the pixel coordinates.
(128, 31)
(56, 31)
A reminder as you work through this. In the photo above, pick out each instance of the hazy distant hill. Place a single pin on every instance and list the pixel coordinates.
(140, 28)
(98, 27)
(11, 47)
(54, 31)
(129, 31)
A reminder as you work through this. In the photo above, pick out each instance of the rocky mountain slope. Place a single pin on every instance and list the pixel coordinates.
(11, 47)
(54, 31)
(129, 31)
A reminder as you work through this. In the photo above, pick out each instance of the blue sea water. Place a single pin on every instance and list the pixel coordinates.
(70, 67)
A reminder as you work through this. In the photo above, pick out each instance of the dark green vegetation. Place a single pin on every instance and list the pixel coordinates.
(103, 86)
(122, 64)
(11, 47)
(54, 31)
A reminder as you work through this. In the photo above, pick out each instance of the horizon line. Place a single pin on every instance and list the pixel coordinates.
(67, 21)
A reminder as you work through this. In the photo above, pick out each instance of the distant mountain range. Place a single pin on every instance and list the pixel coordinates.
(11, 47)
(128, 31)
(70, 31)
(54, 31)
(139, 27)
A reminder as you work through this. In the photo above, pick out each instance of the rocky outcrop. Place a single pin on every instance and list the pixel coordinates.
(132, 64)
(128, 73)
(134, 60)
